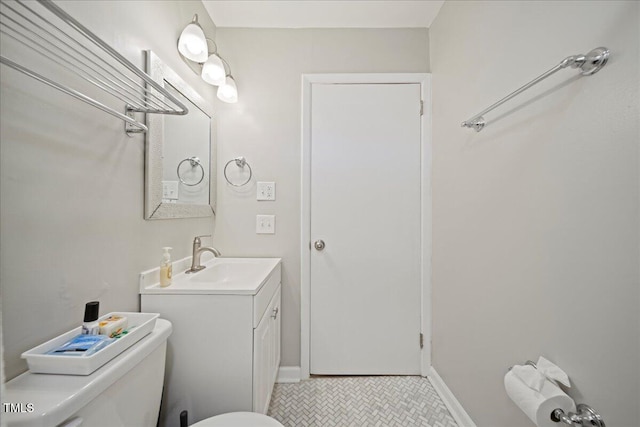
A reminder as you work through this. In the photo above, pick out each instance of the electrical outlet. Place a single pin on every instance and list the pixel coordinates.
(265, 224)
(266, 191)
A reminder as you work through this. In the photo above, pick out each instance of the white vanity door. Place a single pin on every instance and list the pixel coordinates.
(262, 344)
(277, 328)
(266, 355)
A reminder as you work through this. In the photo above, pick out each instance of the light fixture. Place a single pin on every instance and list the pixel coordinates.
(193, 47)
(213, 71)
(228, 92)
(192, 42)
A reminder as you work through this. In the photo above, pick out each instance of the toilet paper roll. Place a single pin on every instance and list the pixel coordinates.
(538, 405)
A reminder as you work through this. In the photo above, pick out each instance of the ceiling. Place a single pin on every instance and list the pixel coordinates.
(323, 14)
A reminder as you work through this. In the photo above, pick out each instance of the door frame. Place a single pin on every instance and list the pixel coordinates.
(308, 80)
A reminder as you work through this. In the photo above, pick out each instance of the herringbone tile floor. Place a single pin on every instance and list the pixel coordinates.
(396, 401)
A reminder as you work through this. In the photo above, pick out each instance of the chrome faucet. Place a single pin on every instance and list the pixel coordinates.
(197, 251)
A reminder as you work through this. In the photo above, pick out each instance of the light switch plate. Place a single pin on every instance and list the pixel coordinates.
(265, 224)
(266, 191)
(170, 190)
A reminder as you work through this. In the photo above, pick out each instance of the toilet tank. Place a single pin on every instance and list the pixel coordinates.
(125, 392)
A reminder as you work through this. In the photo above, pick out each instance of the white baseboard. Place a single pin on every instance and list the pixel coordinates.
(457, 411)
(288, 374)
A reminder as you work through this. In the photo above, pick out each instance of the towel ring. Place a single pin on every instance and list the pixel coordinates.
(240, 162)
(194, 161)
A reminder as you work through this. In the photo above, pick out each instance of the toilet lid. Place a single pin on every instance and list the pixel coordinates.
(239, 419)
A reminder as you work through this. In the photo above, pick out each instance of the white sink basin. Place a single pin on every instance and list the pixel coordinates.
(221, 276)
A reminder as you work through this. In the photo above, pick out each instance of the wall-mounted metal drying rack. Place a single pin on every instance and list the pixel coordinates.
(589, 64)
(74, 53)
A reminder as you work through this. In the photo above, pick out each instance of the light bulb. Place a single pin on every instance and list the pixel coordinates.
(192, 43)
(228, 92)
(213, 71)
(193, 46)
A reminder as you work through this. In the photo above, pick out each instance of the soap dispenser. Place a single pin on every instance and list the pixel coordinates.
(165, 268)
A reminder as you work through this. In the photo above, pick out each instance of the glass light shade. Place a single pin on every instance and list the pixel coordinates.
(213, 71)
(193, 44)
(228, 92)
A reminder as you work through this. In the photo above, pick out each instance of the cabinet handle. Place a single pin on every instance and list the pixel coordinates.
(275, 312)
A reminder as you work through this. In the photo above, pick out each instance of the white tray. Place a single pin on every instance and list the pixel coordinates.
(140, 324)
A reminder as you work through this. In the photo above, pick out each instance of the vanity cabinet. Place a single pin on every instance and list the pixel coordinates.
(266, 355)
(224, 352)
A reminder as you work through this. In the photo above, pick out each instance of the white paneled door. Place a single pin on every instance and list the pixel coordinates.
(365, 289)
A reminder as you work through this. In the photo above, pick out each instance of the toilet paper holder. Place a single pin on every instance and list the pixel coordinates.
(586, 416)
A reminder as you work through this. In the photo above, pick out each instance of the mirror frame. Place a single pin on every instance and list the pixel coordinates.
(154, 208)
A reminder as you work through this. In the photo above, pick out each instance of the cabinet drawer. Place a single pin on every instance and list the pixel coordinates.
(264, 296)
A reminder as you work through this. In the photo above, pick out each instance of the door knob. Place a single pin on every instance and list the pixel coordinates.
(319, 245)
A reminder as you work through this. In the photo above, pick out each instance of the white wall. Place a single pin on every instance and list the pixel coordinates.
(72, 227)
(265, 127)
(535, 219)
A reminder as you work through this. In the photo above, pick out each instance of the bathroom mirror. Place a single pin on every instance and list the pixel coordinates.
(180, 153)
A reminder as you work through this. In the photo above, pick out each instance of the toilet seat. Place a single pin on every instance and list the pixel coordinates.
(239, 419)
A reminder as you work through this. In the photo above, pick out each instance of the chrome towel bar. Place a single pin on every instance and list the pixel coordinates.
(589, 64)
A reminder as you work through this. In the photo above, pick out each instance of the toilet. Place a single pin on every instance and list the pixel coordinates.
(125, 392)
(238, 419)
